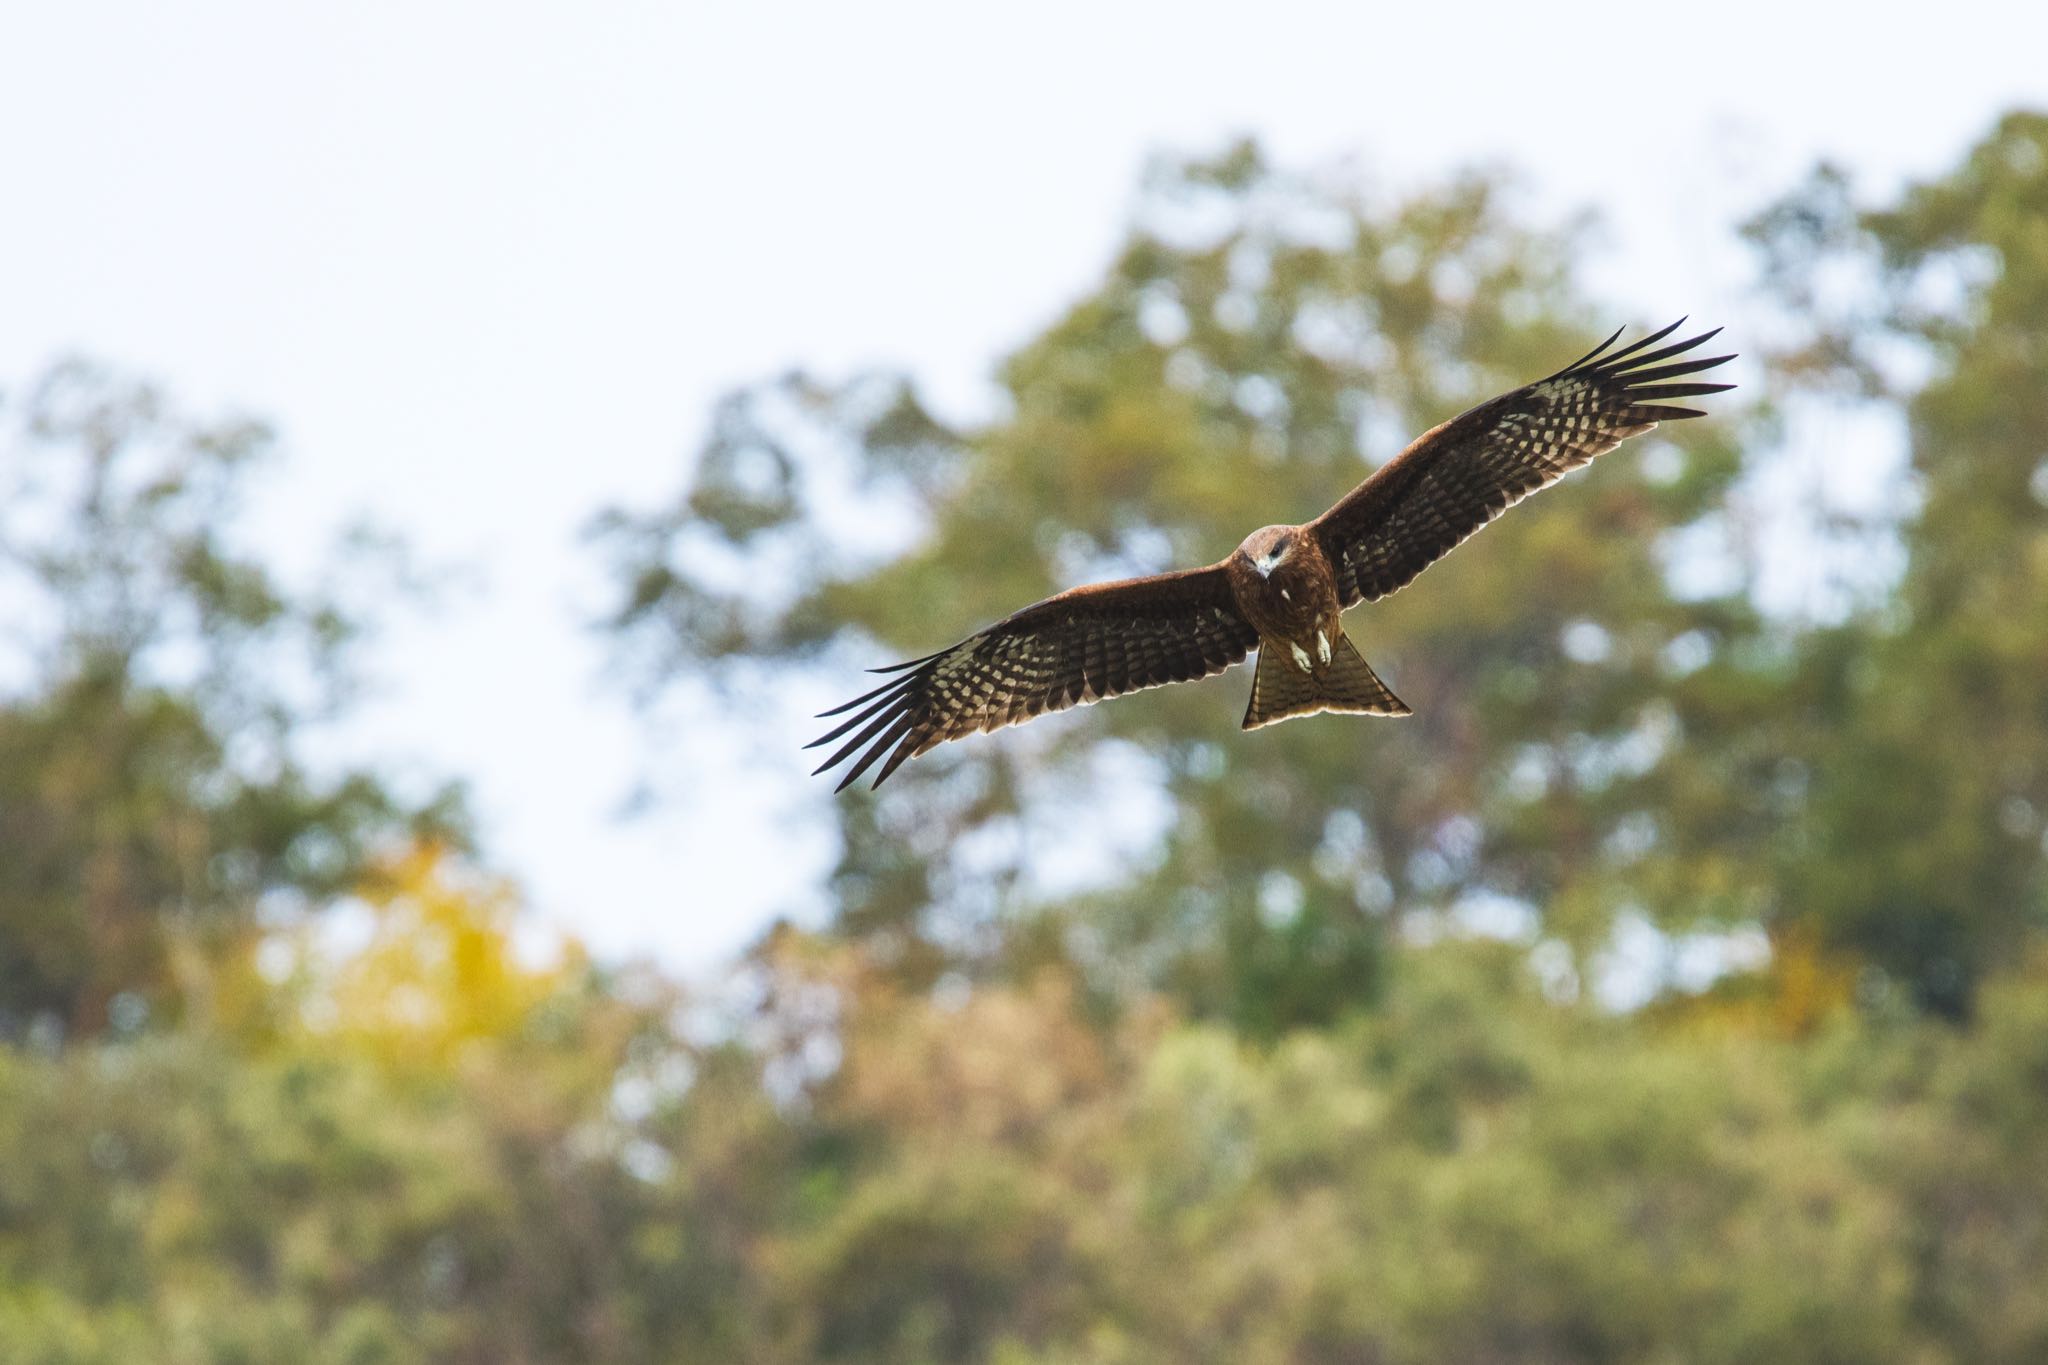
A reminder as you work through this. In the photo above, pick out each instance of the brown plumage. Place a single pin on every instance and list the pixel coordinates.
(1284, 589)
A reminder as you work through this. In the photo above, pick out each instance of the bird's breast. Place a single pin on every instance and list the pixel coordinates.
(1293, 602)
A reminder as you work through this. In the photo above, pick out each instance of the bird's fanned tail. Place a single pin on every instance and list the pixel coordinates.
(1281, 690)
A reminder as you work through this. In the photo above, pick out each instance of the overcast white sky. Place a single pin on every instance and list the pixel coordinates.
(487, 266)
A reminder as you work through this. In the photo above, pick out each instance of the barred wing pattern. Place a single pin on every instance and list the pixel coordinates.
(1455, 479)
(1081, 646)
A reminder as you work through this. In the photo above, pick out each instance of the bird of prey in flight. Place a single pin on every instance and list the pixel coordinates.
(1283, 591)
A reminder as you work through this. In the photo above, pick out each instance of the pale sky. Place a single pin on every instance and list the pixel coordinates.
(487, 267)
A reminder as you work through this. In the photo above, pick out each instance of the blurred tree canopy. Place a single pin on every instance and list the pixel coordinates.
(1921, 847)
(1130, 1038)
(154, 683)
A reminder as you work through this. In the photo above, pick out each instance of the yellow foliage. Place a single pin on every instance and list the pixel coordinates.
(1803, 985)
(441, 970)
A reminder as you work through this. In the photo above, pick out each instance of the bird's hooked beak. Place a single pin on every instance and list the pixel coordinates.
(1269, 562)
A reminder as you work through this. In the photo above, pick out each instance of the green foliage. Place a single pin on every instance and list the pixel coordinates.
(1472, 1173)
(157, 676)
(1929, 748)
(198, 1205)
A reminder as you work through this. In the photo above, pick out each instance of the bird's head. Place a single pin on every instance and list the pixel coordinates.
(1267, 548)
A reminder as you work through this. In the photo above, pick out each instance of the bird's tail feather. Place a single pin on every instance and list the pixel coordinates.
(1281, 689)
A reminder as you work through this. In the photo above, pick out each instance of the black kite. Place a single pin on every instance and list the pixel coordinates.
(1283, 590)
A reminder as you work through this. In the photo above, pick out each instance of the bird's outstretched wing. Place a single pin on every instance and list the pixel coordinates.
(1456, 478)
(1081, 646)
